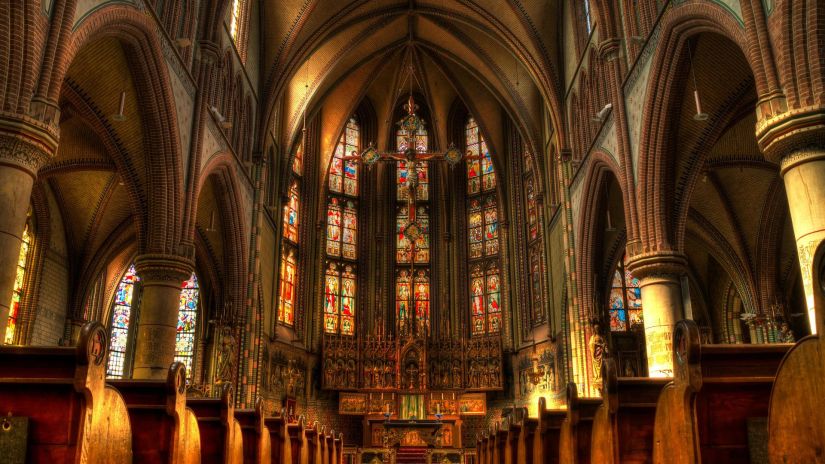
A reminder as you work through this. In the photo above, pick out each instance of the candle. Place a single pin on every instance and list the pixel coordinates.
(438, 408)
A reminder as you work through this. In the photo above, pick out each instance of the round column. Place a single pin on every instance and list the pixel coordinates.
(659, 277)
(803, 172)
(161, 279)
(24, 148)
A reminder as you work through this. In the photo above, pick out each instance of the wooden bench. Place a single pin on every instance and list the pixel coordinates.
(623, 423)
(702, 414)
(546, 438)
(796, 423)
(298, 442)
(525, 448)
(574, 439)
(337, 448)
(279, 439)
(164, 429)
(221, 435)
(515, 429)
(257, 444)
(314, 444)
(73, 416)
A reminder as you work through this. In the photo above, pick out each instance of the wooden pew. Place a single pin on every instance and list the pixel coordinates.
(514, 435)
(329, 438)
(298, 442)
(315, 447)
(257, 444)
(221, 435)
(481, 448)
(279, 439)
(574, 439)
(165, 430)
(500, 443)
(525, 449)
(338, 448)
(796, 423)
(73, 416)
(623, 424)
(702, 414)
(546, 438)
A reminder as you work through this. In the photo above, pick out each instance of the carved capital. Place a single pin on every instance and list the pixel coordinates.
(163, 268)
(665, 264)
(801, 156)
(795, 130)
(25, 145)
(609, 49)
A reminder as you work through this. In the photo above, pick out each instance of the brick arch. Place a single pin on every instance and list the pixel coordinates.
(682, 23)
(137, 34)
(600, 171)
(220, 170)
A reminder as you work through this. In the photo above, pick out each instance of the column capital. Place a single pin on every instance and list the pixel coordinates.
(794, 130)
(25, 143)
(657, 264)
(163, 268)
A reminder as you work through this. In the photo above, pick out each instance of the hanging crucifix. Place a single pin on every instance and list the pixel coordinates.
(411, 124)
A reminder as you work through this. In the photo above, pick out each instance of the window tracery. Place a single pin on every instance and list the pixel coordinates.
(17, 292)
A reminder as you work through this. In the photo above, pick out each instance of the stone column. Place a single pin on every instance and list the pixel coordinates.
(161, 279)
(803, 172)
(24, 148)
(659, 277)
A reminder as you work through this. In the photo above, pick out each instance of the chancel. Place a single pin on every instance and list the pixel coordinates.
(412, 231)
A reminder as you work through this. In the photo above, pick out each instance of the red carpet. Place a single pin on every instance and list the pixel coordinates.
(411, 456)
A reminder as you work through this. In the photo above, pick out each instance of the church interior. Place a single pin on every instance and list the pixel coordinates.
(412, 231)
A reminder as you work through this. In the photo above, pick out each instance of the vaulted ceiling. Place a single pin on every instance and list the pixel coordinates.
(329, 54)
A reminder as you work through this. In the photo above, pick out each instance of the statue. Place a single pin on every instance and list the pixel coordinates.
(786, 334)
(598, 350)
(226, 357)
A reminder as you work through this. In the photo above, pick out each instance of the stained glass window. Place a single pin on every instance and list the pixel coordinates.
(536, 286)
(482, 234)
(532, 208)
(342, 228)
(121, 320)
(339, 299)
(187, 322)
(588, 22)
(286, 296)
(298, 160)
(291, 211)
(481, 174)
(625, 302)
(17, 293)
(343, 174)
(402, 297)
(421, 228)
(403, 170)
(422, 298)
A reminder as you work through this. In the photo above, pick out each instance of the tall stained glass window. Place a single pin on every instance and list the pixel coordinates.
(17, 293)
(286, 295)
(625, 302)
(339, 299)
(289, 249)
(122, 315)
(482, 234)
(342, 235)
(535, 245)
(343, 174)
(234, 27)
(187, 323)
(588, 20)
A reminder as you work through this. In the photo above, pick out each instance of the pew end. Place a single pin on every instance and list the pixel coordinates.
(73, 415)
(576, 428)
(220, 433)
(257, 444)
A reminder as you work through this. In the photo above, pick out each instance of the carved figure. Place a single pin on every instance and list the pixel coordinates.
(598, 350)
(226, 357)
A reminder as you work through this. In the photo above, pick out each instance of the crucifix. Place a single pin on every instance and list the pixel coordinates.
(411, 156)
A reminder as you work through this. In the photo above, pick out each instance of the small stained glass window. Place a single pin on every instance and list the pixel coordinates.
(187, 323)
(121, 323)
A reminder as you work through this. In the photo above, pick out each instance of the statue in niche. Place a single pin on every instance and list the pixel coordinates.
(351, 373)
(389, 381)
(456, 374)
(598, 351)
(786, 334)
(225, 356)
(329, 373)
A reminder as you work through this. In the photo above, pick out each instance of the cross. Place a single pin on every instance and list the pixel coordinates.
(410, 124)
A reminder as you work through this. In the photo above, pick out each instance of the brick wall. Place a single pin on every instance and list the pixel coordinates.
(53, 301)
